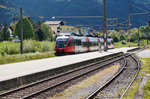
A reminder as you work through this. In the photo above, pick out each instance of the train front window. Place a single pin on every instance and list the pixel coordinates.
(61, 42)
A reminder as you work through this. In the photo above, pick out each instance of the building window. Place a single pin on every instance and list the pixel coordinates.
(72, 29)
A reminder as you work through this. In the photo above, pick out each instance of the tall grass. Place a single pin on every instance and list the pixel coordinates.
(9, 48)
(147, 89)
(25, 57)
(29, 46)
(135, 44)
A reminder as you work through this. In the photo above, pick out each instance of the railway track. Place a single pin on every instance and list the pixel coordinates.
(112, 85)
(36, 89)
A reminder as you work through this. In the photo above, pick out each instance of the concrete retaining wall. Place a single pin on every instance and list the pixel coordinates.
(132, 50)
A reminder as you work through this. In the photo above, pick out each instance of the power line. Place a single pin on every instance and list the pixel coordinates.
(141, 9)
(77, 17)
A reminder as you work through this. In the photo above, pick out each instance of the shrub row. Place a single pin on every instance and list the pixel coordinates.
(29, 46)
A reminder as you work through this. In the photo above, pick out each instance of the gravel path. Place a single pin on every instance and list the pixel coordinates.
(144, 54)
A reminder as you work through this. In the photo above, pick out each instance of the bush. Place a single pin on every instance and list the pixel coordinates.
(122, 37)
(45, 47)
(4, 49)
(116, 39)
(136, 41)
(31, 46)
(13, 50)
(34, 46)
(132, 38)
(123, 42)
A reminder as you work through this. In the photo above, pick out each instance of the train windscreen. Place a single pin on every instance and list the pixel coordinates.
(61, 42)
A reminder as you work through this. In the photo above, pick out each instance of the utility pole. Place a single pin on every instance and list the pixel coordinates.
(129, 17)
(129, 20)
(21, 38)
(105, 28)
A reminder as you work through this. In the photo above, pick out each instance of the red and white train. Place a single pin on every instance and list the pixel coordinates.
(70, 43)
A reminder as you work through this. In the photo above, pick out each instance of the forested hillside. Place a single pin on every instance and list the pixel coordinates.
(48, 8)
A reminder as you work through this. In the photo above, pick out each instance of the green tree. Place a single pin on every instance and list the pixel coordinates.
(38, 31)
(39, 34)
(132, 38)
(120, 28)
(1, 39)
(145, 32)
(13, 26)
(134, 34)
(113, 33)
(31, 20)
(28, 31)
(47, 32)
(5, 33)
(122, 37)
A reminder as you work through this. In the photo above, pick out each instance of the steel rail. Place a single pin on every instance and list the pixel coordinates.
(93, 94)
(54, 77)
(138, 67)
(99, 89)
(63, 82)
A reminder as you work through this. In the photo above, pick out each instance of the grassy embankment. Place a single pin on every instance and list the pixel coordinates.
(145, 69)
(119, 44)
(10, 51)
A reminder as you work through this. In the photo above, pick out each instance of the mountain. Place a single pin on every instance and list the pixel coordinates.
(49, 8)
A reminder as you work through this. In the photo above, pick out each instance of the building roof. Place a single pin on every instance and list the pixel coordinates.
(53, 22)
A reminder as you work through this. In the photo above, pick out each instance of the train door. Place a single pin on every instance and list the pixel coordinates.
(88, 44)
(78, 45)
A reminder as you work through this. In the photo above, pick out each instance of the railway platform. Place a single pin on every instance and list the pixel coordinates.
(16, 74)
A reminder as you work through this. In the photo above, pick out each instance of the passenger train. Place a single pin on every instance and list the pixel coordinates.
(73, 43)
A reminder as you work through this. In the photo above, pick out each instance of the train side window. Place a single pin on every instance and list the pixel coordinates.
(78, 42)
(84, 44)
(94, 43)
(91, 44)
(71, 43)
